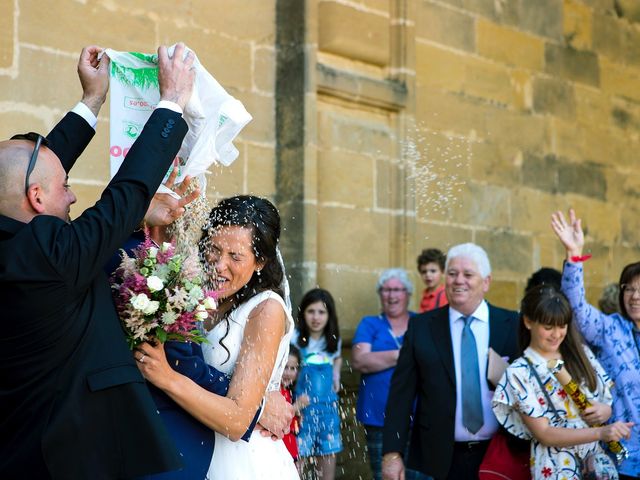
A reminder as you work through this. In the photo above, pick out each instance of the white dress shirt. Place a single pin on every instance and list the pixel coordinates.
(480, 329)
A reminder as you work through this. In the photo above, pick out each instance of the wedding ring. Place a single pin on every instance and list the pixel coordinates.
(141, 359)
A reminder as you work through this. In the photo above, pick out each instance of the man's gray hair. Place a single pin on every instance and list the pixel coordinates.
(473, 252)
(397, 273)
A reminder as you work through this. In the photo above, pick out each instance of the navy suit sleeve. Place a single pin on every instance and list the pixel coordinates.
(187, 359)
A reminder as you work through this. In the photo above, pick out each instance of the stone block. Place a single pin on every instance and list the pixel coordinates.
(606, 147)
(592, 106)
(61, 90)
(443, 111)
(522, 82)
(116, 28)
(87, 196)
(496, 163)
(509, 46)
(617, 79)
(482, 205)
(525, 131)
(353, 33)
(630, 220)
(20, 121)
(577, 24)
(353, 237)
(381, 6)
(252, 20)
(631, 46)
(542, 17)
(261, 170)
(230, 62)
(566, 138)
(93, 165)
(439, 235)
(601, 5)
(531, 211)
(504, 293)
(601, 221)
(582, 178)
(622, 188)
(554, 96)
(363, 134)
(262, 108)
(597, 270)
(227, 181)
(608, 37)
(540, 172)
(623, 255)
(486, 8)
(629, 10)
(460, 73)
(576, 65)
(509, 253)
(354, 292)
(624, 114)
(346, 178)
(264, 69)
(7, 30)
(445, 26)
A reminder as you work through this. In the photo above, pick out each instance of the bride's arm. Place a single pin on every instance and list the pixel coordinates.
(230, 415)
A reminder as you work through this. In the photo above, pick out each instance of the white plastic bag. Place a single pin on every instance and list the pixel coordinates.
(214, 117)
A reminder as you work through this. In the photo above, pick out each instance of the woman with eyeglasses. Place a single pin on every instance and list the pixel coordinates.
(615, 337)
(376, 345)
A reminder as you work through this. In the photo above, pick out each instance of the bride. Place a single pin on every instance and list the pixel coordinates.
(248, 339)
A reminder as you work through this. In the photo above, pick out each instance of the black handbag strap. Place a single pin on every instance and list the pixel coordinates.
(544, 390)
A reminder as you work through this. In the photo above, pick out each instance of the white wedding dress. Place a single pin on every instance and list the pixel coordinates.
(261, 457)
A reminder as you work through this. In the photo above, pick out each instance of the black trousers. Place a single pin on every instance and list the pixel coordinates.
(467, 457)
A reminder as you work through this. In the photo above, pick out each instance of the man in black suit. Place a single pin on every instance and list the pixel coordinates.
(72, 401)
(443, 362)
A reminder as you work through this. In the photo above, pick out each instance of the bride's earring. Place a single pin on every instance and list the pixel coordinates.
(258, 272)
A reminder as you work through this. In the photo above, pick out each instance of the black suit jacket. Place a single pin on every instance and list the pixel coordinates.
(72, 402)
(425, 369)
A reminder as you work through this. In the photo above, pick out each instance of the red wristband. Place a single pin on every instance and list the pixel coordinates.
(580, 258)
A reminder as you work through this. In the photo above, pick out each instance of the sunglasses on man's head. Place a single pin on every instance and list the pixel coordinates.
(38, 140)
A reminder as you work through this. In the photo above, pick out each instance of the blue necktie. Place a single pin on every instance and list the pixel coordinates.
(470, 376)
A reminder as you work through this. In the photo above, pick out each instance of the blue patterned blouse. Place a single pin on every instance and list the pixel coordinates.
(616, 342)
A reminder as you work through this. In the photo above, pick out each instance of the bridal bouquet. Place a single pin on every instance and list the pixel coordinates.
(158, 294)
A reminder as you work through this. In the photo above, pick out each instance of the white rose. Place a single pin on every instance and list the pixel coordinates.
(201, 313)
(140, 302)
(210, 303)
(165, 246)
(153, 251)
(155, 283)
(152, 307)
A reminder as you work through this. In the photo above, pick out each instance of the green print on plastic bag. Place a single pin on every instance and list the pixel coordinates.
(142, 78)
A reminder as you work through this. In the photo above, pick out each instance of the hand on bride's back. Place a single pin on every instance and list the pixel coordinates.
(276, 416)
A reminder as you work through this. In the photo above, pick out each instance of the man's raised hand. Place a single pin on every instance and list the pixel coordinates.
(94, 77)
(176, 74)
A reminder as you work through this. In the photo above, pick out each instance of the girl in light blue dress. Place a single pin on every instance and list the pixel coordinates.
(318, 339)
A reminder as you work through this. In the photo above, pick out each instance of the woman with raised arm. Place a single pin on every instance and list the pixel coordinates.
(248, 339)
(615, 338)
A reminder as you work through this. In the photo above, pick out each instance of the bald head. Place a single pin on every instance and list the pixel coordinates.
(48, 178)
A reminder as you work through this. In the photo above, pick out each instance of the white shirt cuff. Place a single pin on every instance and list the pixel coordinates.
(86, 113)
(169, 105)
